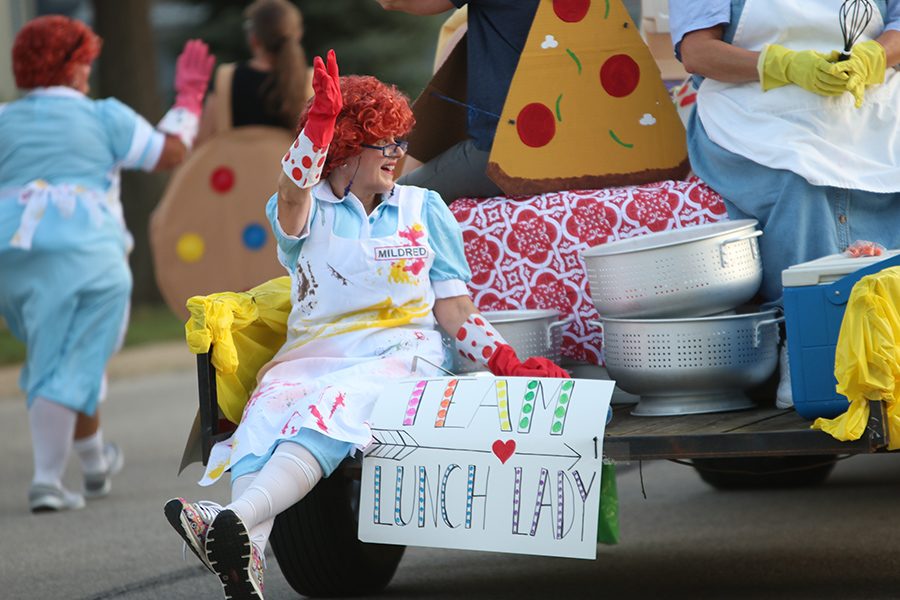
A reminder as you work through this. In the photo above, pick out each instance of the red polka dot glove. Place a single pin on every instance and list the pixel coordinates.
(478, 341)
(303, 161)
(192, 72)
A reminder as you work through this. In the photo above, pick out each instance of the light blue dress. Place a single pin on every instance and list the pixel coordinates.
(64, 277)
(800, 221)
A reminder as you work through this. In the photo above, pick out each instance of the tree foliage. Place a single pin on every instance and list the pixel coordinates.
(395, 47)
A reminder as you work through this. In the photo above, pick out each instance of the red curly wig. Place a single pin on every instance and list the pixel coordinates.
(372, 111)
(47, 50)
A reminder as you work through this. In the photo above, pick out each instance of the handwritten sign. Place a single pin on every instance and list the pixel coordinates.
(482, 463)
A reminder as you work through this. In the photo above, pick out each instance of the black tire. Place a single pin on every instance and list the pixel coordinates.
(316, 545)
(756, 472)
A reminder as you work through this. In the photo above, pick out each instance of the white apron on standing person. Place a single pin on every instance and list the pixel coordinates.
(825, 139)
(816, 172)
(362, 312)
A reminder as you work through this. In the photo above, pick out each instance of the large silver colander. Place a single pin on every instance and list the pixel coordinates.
(689, 366)
(691, 272)
(530, 332)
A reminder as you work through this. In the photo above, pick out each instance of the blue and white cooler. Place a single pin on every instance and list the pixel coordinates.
(815, 296)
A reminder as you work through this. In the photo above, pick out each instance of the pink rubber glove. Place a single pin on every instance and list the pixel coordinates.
(192, 72)
(327, 102)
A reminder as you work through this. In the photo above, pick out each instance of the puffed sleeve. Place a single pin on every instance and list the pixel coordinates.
(892, 20)
(686, 16)
(135, 143)
(288, 245)
(450, 271)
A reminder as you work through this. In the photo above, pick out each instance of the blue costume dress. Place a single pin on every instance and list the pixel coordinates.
(801, 220)
(64, 277)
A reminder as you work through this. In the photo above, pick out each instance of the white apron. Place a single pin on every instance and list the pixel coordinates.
(361, 311)
(826, 140)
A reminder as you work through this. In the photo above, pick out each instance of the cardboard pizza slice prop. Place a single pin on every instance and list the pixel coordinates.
(587, 107)
(210, 232)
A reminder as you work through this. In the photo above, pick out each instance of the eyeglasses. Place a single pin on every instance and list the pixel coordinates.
(390, 150)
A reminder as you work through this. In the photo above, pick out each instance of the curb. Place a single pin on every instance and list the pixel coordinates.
(134, 361)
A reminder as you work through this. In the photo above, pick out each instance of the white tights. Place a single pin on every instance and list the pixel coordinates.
(257, 498)
(52, 427)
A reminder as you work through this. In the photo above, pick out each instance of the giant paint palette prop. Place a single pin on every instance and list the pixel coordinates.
(587, 107)
(210, 232)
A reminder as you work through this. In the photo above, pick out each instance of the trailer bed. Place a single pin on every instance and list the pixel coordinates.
(764, 431)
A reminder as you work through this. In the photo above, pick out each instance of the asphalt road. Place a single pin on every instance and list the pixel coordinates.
(684, 540)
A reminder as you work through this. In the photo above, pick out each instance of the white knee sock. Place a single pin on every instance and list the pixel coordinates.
(259, 534)
(288, 476)
(52, 427)
(90, 451)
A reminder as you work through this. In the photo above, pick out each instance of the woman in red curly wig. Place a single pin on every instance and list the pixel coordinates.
(374, 268)
(63, 244)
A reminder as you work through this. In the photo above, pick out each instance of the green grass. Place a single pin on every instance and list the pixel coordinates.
(149, 324)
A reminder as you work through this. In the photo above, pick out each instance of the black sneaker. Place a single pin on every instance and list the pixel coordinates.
(237, 562)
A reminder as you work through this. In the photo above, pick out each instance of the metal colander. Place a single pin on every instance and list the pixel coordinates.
(690, 272)
(530, 332)
(688, 366)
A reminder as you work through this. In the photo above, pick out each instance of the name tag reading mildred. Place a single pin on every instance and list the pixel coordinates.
(508, 464)
(400, 252)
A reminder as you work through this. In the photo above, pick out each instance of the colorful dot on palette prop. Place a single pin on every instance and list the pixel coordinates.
(222, 179)
(190, 247)
(254, 236)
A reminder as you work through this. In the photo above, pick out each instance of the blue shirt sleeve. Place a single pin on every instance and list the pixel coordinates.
(892, 20)
(686, 16)
(133, 141)
(445, 238)
(288, 246)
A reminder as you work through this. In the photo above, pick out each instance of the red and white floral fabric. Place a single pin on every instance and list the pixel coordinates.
(525, 252)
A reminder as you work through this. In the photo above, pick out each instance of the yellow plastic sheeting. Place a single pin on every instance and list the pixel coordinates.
(867, 357)
(246, 329)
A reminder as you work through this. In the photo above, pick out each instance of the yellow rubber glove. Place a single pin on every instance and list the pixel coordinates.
(866, 66)
(779, 66)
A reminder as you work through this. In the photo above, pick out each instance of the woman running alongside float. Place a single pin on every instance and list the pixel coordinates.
(63, 242)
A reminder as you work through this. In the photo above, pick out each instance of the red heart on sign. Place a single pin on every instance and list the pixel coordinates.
(503, 450)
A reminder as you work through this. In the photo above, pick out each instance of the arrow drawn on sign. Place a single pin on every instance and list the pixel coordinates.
(396, 444)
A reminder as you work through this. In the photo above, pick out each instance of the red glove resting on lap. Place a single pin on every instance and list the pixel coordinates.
(477, 340)
(304, 159)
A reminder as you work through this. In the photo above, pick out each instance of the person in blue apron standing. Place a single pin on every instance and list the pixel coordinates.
(64, 279)
(374, 267)
(788, 134)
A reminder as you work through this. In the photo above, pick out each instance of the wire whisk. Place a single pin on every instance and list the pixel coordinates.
(854, 17)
